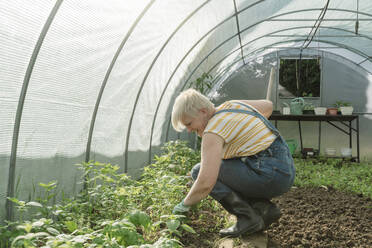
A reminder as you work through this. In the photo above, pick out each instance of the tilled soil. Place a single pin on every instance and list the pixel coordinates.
(322, 217)
(311, 217)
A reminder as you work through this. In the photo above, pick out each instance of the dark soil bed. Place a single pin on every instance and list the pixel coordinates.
(311, 217)
(322, 217)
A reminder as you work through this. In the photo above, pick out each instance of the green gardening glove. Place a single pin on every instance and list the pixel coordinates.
(180, 208)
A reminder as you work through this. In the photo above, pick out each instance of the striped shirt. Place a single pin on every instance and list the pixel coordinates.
(244, 134)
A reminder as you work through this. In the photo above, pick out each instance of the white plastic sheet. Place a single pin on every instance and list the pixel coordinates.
(140, 55)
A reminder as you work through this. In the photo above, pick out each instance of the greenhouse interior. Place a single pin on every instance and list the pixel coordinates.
(94, 82)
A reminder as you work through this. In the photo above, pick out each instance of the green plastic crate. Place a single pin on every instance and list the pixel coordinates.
(292, 144)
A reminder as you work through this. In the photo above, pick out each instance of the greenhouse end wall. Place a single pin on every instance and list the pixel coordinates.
(341, 80)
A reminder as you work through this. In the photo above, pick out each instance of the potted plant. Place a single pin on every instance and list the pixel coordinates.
(330, 152)
(332, 110)
(308, 109)
(344, 107)
(346, 152)
(286, 109)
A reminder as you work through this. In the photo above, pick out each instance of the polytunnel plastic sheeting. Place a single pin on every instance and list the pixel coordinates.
(139, 54)
(61, 94)
(150, 94)
(63, 87)
(113, 70)
(193, 71)
(281, 16)
(248, 81)
(16, 49)
(237, 65)
(341, 79)
(366, 64)
(347, 51)
(317, 48)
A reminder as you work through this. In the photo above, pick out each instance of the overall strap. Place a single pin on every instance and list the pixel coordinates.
(254, 113)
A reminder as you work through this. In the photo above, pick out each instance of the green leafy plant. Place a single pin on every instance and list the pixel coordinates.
(338, 173)
(339, 104)
(117, 211)
(304, 94)
(308, 106)
(299, 77)
(202, 83)
(113, 210)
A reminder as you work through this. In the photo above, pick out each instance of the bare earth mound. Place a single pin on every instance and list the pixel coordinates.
(322, 217)
(311, 217)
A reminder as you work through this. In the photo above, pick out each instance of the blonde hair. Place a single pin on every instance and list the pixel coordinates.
(188, 103)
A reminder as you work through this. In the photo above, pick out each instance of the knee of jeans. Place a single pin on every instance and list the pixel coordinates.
(195, 171)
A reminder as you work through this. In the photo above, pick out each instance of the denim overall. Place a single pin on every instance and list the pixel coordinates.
(267, 174)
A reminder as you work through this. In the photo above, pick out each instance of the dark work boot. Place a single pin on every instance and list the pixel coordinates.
(267, 210)
(248, 221)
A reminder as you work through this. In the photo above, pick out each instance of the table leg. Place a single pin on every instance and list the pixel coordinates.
(299, 127)
(350, 136)
(357, 128)
(320, 134)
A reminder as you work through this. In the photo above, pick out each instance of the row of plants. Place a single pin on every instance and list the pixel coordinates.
(117, 211)
(334, 172)
(113, 210)
(300, 106)
(337, 104)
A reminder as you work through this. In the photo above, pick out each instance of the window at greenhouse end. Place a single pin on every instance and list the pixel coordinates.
(299, 77)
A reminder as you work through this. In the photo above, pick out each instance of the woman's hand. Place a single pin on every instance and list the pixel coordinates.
(180, 208)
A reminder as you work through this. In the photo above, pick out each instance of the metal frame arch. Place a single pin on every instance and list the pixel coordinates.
(234, 62)
(164, 90)
(370, 57)
(329, 42)
(324, 52)
(277, 31)
(238, 28)
(331, 9)
(145, 78)
(185, 56)
(263, 48)
(339, 45)
(21, 101)
(297, 48)
(291, 12)
(268, 19)
(282, 14)
(139, 92)
(131, 119)
(107, 75)
(254, 40)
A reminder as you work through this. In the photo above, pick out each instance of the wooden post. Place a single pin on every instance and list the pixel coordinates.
(271, 82)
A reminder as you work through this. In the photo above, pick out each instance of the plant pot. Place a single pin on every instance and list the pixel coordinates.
(330, 152)
(332, 111)
(346, 152)
(286, 110)
(308, 112)
(292, 145)
(309, 152)
(320, 110)
(346, 110)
